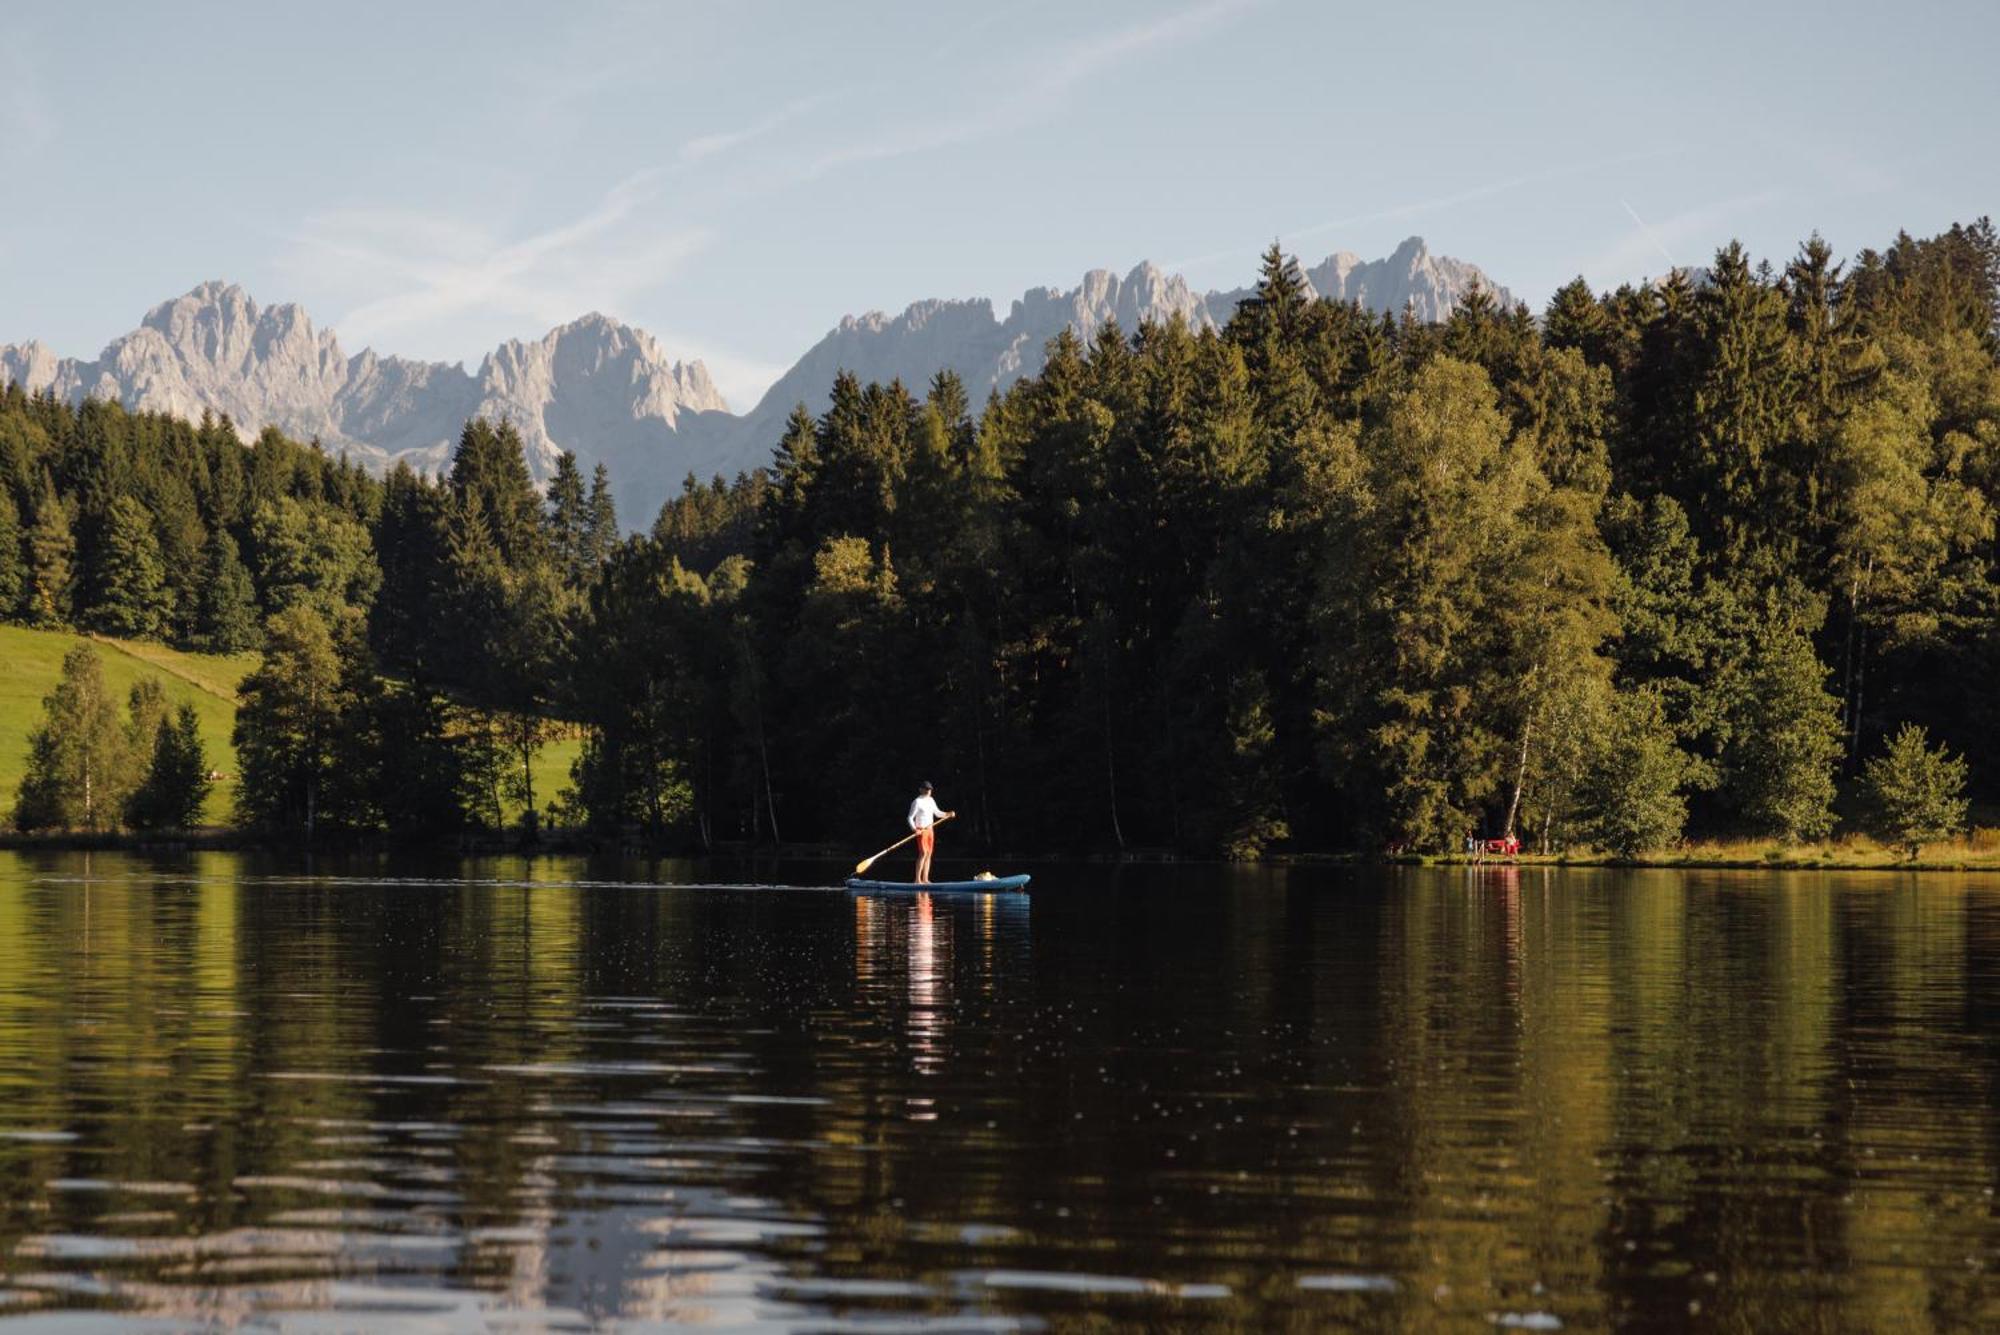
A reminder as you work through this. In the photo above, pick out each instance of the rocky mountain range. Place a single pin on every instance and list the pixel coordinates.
(609, 392)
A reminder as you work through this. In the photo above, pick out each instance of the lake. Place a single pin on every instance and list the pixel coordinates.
(552, 1095)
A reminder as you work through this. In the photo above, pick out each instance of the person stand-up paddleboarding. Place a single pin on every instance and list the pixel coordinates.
(924, 816)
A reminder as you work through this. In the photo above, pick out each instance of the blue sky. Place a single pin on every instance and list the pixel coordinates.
(431, 179)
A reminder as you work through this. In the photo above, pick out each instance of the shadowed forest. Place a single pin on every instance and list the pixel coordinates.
(1713, 556)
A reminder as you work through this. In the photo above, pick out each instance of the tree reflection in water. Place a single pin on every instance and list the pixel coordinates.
(546, 1096)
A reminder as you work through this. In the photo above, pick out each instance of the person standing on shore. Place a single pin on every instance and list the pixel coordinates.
(924, 816)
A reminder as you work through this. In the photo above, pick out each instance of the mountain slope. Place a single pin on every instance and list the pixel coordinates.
(609, 392)
(596, 384)
(990, 353)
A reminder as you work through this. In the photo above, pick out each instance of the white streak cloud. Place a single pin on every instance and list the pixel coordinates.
(1631, 257)
(709, 145)
(432, 270)
(1038, 96)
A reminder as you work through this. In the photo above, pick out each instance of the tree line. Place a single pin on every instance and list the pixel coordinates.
(1713, 555)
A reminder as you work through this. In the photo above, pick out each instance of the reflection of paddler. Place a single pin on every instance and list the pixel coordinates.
(924, 818)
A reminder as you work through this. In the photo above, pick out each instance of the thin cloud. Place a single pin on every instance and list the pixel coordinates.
(1040, 96)
(1630, 257)
(965, 36)
(27, 125)
(1473, 194)
(436, 269)
(1650, 235)
(709, 145)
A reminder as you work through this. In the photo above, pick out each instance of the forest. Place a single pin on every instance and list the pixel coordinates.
(1712, 557)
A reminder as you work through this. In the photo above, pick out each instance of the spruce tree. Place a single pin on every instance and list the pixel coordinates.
(177, 783)
(602, 529)
(312, 554)
(1735, 471)
(51, 558)
(410, 542)
(1274, 309)
(133, 600)
(13, 564)
(795, 467)
(13, 568)
(1576, 319)
(420, 771)
(78, 759)
(288, 722)
(568, 522)
(491, 469)
(226, 616)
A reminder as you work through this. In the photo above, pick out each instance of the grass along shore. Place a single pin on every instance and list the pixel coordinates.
(31, 665)
(1977, 851)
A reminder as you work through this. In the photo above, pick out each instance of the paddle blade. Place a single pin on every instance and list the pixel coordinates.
(862, 866)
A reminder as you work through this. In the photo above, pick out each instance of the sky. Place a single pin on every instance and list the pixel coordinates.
(433, 179)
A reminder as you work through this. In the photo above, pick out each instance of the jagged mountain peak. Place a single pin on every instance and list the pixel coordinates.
(610, 392)
(216, 292)
(594, 325)
(596, 384)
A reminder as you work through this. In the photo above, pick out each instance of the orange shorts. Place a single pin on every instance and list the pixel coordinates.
(927, 839)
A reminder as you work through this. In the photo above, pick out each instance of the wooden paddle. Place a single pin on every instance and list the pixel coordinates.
(867, 862)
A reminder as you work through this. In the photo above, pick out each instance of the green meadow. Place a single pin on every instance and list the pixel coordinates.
(31, 663)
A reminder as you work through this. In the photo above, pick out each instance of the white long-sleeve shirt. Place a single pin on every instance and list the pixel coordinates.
(924, 812)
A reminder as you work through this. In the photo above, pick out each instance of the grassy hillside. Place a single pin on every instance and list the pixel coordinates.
(31, 663)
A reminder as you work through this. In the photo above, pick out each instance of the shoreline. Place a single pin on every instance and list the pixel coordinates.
(1959, 857)
(1956, 859)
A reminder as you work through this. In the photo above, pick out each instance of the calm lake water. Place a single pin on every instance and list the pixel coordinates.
(548, 1096)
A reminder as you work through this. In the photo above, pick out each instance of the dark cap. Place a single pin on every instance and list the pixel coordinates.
(924, 787)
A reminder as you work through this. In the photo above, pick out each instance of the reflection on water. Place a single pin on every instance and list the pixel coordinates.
(546, 1096)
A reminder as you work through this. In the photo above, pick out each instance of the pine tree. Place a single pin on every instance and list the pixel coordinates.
(420, 771)
(314, 555)
(795, 467)
(79, 759)
(602, 528)
(1736, 472)
(226, 614)
(133, 600)
(1576, 319)
(569, 522)
(288, 722)
(51, 558)
(1273, 311)
(1917, 793)
(177, 783)
(411, 542)
(357, 776)
(13, 569)
(491, 469)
